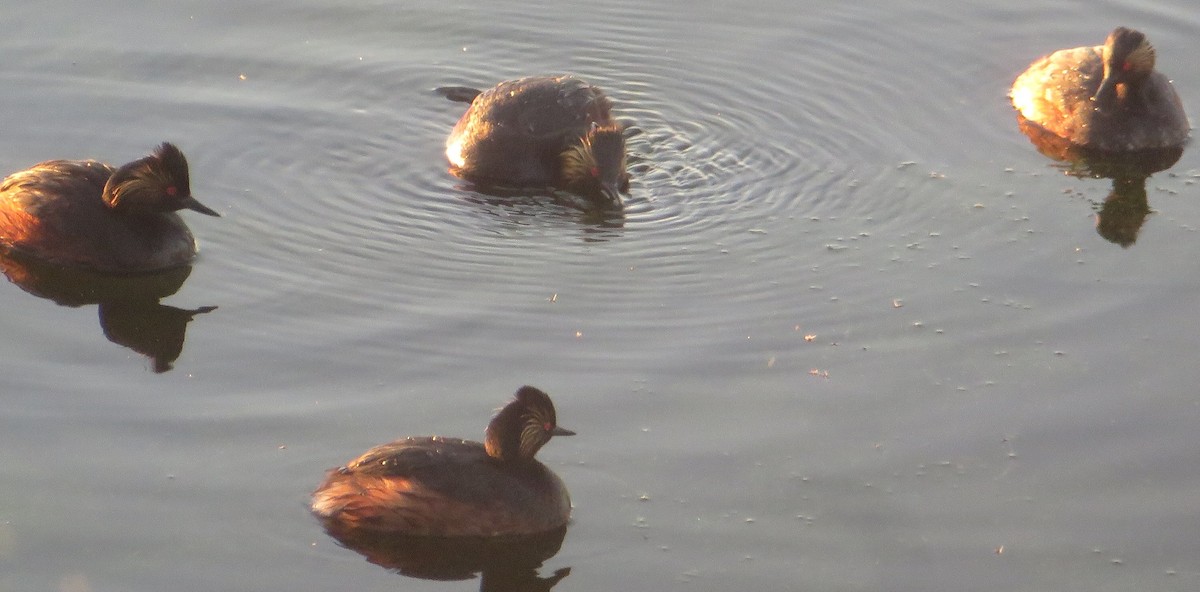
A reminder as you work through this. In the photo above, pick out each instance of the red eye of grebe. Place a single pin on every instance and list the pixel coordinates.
(171, 190)
(1126, 66)
(595, 171)
(549, 427)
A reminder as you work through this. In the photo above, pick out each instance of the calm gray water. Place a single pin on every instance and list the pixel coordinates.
(994, 396)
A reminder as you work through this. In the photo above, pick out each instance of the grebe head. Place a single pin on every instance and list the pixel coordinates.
(522, 427)
(1128, 61)
(596, 165)
(155, 184)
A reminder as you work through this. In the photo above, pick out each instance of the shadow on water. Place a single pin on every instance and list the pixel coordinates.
(128, 306)
(507, 564)
(599, 222)
(1120, 218)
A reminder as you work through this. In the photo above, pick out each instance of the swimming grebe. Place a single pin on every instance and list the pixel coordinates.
(538, 132)
(86, 214)
(447, 487)
(1106, 98)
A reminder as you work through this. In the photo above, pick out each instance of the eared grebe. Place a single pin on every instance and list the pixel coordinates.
(447, 487)
(1106, 98)
(85, 214)
(540, 131)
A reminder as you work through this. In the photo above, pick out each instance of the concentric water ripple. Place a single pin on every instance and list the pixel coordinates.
(350, 197)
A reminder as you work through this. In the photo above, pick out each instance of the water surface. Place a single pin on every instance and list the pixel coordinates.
(851, 330)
